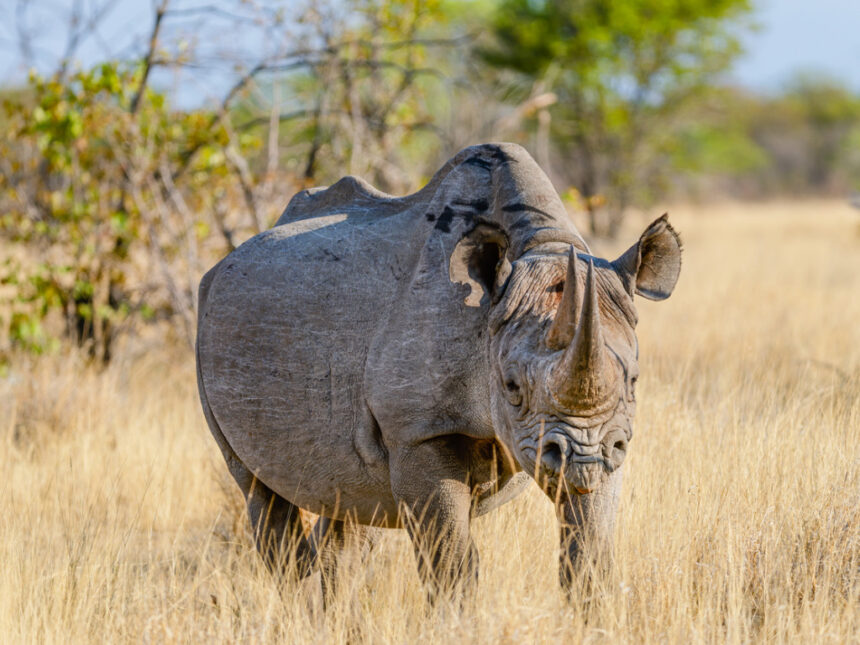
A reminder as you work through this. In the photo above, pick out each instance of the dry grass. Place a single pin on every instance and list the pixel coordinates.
(740, 519)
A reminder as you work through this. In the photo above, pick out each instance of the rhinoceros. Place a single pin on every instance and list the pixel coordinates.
(417, 361)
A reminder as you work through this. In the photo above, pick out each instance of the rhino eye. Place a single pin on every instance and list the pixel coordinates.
(633, 387)
(515, 396)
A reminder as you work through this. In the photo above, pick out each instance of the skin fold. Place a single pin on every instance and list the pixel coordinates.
(415, 362)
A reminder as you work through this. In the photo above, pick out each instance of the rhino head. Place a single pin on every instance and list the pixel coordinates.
(565, 357)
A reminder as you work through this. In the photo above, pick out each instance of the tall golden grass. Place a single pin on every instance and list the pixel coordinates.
(740, 518)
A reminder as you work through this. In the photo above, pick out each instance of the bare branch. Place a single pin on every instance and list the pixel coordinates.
(188, 220)
(25, 36)
(246, 181)
(456, 41)
(272, 142)
(75, 33)
(281, 118)
(150, 56)
(209, 10)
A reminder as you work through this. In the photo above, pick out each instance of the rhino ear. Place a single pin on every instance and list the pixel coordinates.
(479, 260)
(651, 266)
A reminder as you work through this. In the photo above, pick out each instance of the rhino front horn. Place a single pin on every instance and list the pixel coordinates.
(583, 374)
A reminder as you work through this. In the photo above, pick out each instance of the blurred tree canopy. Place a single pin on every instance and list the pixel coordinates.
(366, 100)
(804, 140)
(622, 72)
(113, 200)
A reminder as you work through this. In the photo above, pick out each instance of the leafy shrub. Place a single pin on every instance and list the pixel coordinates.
(104, 197)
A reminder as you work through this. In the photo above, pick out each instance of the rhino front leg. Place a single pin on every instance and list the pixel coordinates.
(587, 528)
(430, 483)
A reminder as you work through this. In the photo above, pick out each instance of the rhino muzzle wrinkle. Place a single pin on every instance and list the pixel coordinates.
(614, 448)
(581, 466)
(413, 362)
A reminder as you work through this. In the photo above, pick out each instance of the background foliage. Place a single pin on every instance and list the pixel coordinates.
(99, 182)
(113, 201)
(623, 72)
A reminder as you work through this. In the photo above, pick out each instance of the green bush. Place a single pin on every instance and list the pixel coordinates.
(100, 206)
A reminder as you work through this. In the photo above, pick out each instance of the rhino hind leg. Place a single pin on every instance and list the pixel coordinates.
(276, 522)
(278, 532)
(333, 540)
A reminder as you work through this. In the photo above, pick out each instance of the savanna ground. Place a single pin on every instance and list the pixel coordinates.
(740, 518)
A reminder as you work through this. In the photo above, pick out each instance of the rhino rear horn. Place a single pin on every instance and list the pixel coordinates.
(563, 328)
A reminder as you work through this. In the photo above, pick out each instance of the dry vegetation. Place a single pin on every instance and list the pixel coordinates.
(740, 519)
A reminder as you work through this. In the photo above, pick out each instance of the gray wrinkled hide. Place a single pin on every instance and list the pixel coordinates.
(346, 357)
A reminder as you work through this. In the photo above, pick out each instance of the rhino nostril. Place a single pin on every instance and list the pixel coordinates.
(615, 455)
(552, 457)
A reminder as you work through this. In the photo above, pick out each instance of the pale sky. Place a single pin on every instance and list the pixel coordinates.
(812, 36)
(815, 36)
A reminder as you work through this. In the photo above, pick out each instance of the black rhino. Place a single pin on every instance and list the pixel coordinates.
(416, 361)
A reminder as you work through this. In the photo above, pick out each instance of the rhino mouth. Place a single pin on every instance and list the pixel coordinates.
(580, 477)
